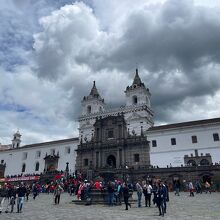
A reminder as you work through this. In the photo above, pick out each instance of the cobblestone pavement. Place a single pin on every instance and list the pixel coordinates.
(202, 206)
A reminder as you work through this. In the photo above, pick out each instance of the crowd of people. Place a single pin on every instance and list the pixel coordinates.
(10, 193)
(117, 191)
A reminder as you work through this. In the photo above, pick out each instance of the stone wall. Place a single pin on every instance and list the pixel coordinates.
(183, 174)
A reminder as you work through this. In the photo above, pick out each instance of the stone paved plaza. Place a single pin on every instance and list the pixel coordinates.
(204, 206)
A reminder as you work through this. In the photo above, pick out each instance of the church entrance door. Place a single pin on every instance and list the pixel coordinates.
(111, 161)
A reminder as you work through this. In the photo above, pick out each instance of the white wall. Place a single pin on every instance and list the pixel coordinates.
(165, 153)
(14, 157)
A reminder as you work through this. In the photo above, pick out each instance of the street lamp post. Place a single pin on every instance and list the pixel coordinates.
(67, 170)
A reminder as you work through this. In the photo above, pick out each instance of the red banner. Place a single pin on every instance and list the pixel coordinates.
(21, 178)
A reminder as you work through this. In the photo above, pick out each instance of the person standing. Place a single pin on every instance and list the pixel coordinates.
(57, 192)
(21, 191)
(147, 191)
(126, 196)
(139, 192)
(145, 194)
(110, 190)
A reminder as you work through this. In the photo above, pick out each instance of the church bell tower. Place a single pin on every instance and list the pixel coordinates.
(137, 93)
(92, 106)
(93, 103)
(16, 141)
(139, 115)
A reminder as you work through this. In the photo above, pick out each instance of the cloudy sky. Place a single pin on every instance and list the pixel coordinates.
(52, 50)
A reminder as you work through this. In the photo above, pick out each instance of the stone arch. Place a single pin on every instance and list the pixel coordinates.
(191, 163)
(204, 162)
(206, 177)
(111, 161)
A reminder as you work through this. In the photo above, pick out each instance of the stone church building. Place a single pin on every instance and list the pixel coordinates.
(115, 137)
(112, 146)
(137, 110)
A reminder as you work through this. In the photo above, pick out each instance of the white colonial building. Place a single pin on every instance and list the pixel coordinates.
(185, 143)
(170, 145)
(29, 159)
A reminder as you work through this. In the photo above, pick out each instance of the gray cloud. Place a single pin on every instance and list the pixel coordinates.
(52, 54)
(178, 36)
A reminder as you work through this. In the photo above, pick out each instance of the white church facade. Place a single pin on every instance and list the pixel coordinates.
(170, 145)
(137, 110)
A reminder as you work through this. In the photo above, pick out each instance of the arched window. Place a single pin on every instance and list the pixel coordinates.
(89, 109)
(100, 109)
(23, 167)
(37, 166)
(204, 162)
(135, 100)
(191, 163)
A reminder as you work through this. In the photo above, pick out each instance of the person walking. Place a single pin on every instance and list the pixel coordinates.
(110, 189)
(139, 193)
(177, 187)
(119, 193)
(21, 191)
(35, 191)
(165, 196)
(28, 191)
(11, 198)
(126, 196)
(159, 199)
(57, 192)
(191, 189)
(198, 187)
(3, 195)
(154, 191)
(207, 187)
